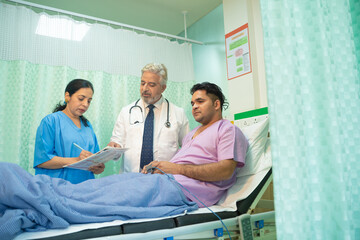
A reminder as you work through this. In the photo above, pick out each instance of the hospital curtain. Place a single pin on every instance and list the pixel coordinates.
(35, 69)
(313, 78)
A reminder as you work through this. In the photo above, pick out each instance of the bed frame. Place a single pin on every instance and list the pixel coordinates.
(241, 224)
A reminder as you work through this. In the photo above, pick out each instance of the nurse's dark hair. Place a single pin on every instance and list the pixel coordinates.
(213, 91)
(72, 87)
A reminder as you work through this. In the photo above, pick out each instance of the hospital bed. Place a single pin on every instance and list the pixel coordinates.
(235, 209)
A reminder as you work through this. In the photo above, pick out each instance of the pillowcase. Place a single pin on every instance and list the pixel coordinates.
(257, 135)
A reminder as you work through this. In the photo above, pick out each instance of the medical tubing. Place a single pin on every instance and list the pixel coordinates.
(198, 200)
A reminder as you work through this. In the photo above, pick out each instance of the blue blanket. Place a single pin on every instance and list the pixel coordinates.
(36, 203)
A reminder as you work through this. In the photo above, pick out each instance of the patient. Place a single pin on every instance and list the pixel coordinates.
(205, 166)
(210, 153)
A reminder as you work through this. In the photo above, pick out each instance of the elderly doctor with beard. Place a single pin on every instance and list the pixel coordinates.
(168, 123)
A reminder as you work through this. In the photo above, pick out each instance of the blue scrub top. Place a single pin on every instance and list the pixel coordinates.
(56, 136)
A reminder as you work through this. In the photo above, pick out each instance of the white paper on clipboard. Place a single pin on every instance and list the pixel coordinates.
(104, 155)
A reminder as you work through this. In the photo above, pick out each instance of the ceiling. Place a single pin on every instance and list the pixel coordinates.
(159, 15)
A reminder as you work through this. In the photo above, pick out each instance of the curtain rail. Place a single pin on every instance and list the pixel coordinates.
(104, 21)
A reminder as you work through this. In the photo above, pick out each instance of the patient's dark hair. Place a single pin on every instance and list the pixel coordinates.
(214, 92)
(72, 88)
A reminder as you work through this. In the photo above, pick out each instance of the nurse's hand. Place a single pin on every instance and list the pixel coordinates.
(97, 169)
(84, 154)
(114, 144)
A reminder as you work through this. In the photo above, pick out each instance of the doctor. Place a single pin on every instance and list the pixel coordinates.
(168, 123)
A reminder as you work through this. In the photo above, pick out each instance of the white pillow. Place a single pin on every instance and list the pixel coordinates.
(257, 135)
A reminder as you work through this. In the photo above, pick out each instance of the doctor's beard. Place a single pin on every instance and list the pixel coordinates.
(148, 99)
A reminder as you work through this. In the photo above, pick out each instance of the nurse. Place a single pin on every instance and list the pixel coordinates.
(60, 132)
(169, 124)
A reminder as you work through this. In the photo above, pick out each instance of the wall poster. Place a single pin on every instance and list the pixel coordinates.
(238, 52)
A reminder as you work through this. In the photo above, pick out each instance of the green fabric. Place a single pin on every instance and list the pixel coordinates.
(30, 91)
(312, 70)
(355, 21)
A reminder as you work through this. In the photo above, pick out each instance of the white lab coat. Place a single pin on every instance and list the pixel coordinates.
(166, 140)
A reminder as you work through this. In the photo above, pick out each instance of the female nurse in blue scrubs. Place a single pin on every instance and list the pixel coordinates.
(59, 131)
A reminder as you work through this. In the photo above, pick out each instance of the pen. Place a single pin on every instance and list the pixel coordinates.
(78, 147)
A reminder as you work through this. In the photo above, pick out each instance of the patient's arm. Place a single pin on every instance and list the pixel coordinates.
(211, 172)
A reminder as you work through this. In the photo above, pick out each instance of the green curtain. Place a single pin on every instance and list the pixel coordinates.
(30, 91)
(312, 68)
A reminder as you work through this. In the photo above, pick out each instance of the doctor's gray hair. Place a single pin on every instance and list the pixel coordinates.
(157, 68)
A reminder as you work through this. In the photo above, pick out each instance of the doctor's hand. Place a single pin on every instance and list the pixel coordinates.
(97, 169)
(114, 144)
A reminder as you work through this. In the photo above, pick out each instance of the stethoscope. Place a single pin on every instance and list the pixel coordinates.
(167, 123)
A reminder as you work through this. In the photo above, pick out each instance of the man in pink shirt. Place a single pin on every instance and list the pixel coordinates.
(210, 153)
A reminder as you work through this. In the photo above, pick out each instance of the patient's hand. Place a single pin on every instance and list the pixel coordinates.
(166, 167)
(97, 169)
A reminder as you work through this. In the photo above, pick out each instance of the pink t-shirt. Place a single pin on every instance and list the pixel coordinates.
(221, 141)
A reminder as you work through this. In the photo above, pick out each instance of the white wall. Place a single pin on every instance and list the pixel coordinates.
(247, 92)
